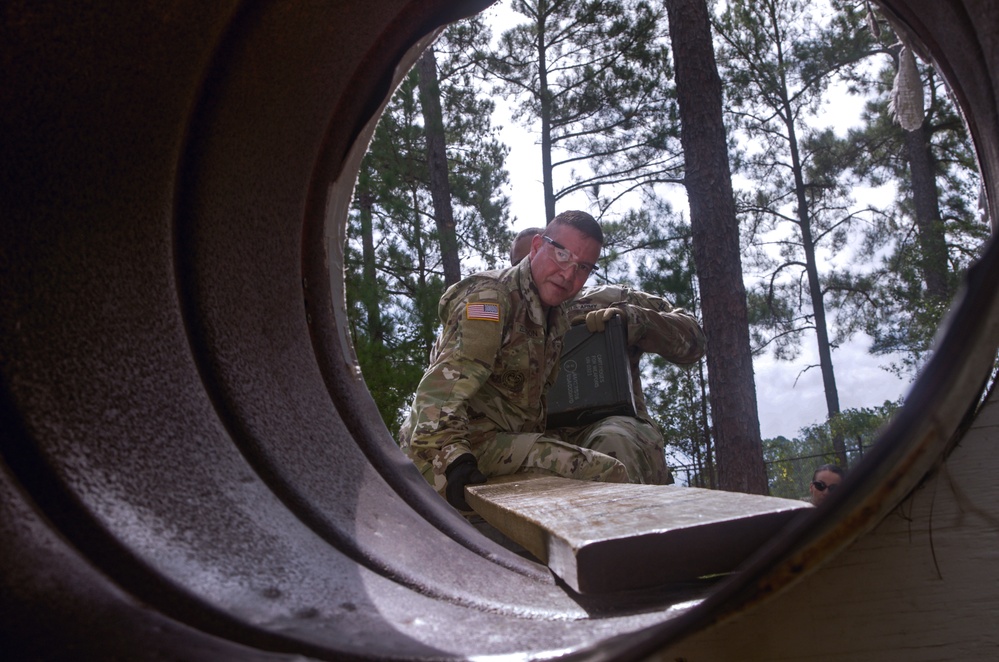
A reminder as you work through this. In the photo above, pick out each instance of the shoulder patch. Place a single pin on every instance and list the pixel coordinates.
(483, 310)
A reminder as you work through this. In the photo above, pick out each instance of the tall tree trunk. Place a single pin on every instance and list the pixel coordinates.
(811, 265)
(932, 240)
(427, 310)
(369, 294)
(716, 251)
(829, 387)
(822, 337)
(544, 93)
(440, 187)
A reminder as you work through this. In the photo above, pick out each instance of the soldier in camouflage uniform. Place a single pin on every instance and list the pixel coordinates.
(480, 408)
(654, 325)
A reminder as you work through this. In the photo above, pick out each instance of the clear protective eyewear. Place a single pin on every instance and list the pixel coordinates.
(564, 257)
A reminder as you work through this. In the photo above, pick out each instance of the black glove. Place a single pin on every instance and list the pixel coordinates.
(463, 471)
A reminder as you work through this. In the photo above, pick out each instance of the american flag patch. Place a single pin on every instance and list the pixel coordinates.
(482, 311)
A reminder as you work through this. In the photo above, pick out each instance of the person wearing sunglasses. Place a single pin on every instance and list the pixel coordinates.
(480, 408)
(653, 325)
(825, 481)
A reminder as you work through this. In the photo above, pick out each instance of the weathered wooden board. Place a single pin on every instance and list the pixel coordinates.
(607, 537)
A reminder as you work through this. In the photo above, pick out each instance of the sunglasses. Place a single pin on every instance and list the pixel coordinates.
(822, 487)
(565, 258)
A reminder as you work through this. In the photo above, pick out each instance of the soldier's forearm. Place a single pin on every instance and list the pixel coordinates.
(675, 336)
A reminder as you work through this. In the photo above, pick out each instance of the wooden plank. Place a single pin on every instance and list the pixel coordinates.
(608, 537)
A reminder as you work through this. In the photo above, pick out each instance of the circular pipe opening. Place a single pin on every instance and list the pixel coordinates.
(187, 444)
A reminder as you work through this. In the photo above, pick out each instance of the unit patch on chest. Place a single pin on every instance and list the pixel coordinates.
(512, 380)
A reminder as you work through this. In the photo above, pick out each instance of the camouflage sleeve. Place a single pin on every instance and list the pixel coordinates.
(654, 325)
(464, 359)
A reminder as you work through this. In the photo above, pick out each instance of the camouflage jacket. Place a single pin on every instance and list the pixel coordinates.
(654, 325)
(490, 369)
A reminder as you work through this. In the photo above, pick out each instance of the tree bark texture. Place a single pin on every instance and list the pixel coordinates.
(932, 240)
(716, 251)
(440, 187)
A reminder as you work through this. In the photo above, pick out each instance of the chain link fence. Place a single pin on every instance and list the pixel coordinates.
(787, 478)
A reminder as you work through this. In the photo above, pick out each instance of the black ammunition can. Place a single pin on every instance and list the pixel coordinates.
(594, 379)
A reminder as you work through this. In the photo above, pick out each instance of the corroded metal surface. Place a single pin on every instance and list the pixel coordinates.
(187, 450)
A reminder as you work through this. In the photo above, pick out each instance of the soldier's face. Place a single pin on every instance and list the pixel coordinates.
(828, 481)
(560, 277)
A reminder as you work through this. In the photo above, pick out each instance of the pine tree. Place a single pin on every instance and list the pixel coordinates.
(440, 185)
(934, 228)
(415, 220)
(780, 59)
(592, 78)
(715, 243)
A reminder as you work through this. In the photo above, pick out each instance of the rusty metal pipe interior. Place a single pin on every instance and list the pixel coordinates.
(192, 467)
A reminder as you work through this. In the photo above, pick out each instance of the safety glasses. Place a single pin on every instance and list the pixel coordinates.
(565, 258)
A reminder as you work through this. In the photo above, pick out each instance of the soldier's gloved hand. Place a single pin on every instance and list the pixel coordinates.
(596, 320)
(463, 471)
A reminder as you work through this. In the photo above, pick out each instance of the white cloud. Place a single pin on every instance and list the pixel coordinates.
(789, 399)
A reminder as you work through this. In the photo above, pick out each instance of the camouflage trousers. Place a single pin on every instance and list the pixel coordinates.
(502, 453)
(636, 443)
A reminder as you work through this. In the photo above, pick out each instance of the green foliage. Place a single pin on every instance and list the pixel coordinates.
(391, 372)
(911, 285)
(677, 396)
(791, 462)
(393, 259)
(780, 61)
(593, 78)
